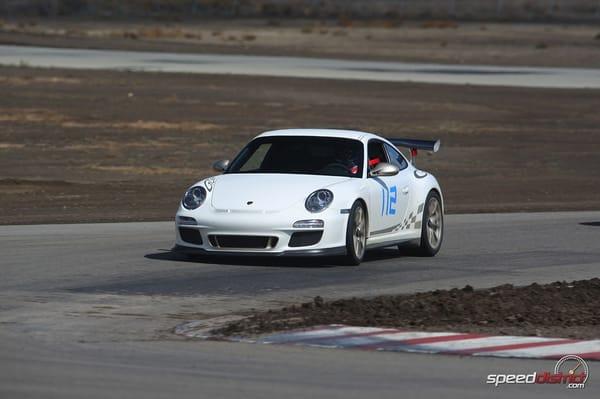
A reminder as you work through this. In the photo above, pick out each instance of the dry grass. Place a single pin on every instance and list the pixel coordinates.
(158, 125)
(143, 170)
(47, 116)
(21, 81)
(10, 146)
(111, 148)
(31, 115)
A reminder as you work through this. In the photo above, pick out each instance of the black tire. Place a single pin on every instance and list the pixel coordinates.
(432, 225)
(356, 234)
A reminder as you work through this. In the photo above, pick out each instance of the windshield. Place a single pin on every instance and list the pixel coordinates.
(301, 155)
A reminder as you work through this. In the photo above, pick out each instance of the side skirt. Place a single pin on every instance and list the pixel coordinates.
(388, 243)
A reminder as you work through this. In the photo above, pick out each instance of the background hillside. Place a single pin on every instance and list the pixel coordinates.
(515, 10)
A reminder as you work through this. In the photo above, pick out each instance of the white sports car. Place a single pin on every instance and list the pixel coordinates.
(314, 192)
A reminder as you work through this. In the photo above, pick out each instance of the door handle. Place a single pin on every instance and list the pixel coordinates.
(404, 190)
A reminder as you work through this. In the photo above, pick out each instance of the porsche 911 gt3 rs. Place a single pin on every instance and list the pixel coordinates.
(314, 192)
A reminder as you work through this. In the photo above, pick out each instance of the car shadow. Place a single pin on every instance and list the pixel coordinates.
(264, 261)
(374, 255)
(265, 277)
(406, 251)
(595, 224)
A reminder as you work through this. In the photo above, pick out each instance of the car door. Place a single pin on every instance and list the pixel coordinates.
(388, 194)
(403, 179)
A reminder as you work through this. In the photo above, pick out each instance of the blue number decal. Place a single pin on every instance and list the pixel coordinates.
(389, 198)
(392, 201)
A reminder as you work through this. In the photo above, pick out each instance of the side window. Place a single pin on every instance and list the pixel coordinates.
(255, 161)
(376, 153)
(396, 157)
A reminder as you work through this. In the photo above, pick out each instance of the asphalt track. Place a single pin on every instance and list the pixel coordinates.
(301, 67)
(86, 311)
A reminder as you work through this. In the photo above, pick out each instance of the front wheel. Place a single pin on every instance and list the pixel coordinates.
(432, 227)
(356, 234)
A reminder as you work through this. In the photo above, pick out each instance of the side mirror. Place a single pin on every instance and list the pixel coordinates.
(221, 166)
(384, 169)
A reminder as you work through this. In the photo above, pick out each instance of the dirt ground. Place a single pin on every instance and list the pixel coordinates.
(560, 309)
(83, 146)
(539, 44)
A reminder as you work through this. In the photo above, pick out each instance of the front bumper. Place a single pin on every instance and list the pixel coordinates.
(203, 237)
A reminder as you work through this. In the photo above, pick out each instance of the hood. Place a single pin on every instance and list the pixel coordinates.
(266, 192)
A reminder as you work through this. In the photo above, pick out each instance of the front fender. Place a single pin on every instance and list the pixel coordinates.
(346, 194)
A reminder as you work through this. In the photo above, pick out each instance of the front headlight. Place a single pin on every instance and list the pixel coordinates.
(194, 197)
(318, 201)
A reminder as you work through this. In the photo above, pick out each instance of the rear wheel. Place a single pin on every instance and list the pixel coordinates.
(432, 227)
(356, 234)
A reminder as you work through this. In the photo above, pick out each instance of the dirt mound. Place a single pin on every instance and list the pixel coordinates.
(559, 309)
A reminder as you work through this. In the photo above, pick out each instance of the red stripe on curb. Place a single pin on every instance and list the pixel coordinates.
(421, 341)
(443, 338)
(511, 346)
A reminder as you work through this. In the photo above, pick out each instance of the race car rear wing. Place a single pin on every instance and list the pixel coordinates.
(416, 145)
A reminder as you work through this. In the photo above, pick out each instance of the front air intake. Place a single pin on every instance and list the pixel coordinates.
(192, 236)
(239, 241)
(305, 238)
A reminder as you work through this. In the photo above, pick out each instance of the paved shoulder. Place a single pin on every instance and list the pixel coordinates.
(302, 67)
